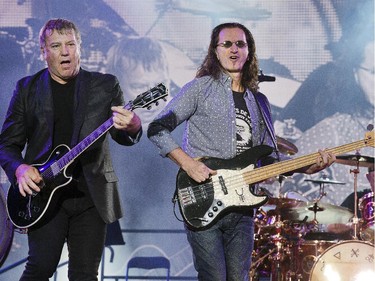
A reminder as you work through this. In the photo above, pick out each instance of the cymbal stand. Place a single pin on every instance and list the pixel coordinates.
(254, 265)
(278, 257)
(316, 207)
(280, 179)
(322, 193)
(355, 219)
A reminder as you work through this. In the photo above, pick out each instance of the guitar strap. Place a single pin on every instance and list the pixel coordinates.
(264, 108)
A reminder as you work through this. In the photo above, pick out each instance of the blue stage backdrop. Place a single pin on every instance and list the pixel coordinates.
(319, 51)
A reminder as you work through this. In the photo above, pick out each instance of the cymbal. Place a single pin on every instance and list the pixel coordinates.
(323, 180)
(283, 202)
(354, 160)
(286, 147)
(323, 213)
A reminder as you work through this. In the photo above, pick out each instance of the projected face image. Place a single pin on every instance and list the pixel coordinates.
(139, 80)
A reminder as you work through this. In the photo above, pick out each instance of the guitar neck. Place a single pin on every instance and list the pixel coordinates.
(68, 158)
(269, 171)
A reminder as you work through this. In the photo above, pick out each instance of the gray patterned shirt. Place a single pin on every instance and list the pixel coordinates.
(207, 106)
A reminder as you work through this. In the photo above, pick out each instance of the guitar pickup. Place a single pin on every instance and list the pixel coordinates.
(203, 192)
(222, 184)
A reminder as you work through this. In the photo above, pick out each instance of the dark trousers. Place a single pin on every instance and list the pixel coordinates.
(76, 222)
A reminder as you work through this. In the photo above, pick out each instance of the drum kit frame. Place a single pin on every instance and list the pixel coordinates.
(291, 241)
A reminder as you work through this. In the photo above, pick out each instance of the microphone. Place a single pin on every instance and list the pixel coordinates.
(266, 78)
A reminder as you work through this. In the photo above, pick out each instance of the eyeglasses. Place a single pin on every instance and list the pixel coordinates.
(227, 44)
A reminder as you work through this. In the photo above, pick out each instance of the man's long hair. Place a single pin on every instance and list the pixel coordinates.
(212, 67)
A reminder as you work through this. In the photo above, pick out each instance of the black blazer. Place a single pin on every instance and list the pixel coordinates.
(29, 123)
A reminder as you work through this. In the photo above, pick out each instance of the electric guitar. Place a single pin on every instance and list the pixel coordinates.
(201, 204)
(27, 211)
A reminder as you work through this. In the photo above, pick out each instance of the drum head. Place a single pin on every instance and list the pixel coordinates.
(346, 261)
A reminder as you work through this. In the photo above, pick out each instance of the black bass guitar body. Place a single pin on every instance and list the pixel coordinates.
(201, 204)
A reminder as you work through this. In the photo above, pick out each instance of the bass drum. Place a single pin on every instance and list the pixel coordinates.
(307, 254)
(345, 261)
(6, 228)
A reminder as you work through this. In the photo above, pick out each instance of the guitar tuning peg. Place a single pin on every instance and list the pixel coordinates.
(156, 103)
(149, 107)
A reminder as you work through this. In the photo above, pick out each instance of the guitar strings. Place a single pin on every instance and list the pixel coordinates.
(256, 175)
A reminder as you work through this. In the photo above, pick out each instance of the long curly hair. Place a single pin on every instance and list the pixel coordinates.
(212, 67)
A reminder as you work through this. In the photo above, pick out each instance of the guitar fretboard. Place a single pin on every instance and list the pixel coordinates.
(279, 168)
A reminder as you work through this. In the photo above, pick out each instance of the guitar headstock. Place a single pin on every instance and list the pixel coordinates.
(146, 99)
(369, 138)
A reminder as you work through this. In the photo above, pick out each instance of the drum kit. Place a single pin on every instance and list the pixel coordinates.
(298, 240)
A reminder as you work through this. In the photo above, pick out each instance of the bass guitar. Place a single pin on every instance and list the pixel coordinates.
(201, 204)
(27, 211)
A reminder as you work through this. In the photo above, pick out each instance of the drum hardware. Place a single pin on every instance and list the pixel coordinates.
(286, 147)
(292, 237)
(280, 179)
(270, 264)
(254, 275)
(361, 227)
(286, 243)
(295, 239)
(317, 213)
(322, 181)
(279, 256)
(355, 173)
(317, 207)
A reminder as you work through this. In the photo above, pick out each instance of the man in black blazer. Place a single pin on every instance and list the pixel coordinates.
(62, 105)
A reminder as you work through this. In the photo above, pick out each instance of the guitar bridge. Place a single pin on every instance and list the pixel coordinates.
(187, 196)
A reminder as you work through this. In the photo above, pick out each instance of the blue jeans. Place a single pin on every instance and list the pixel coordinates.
(223, 251)
(76, 222)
